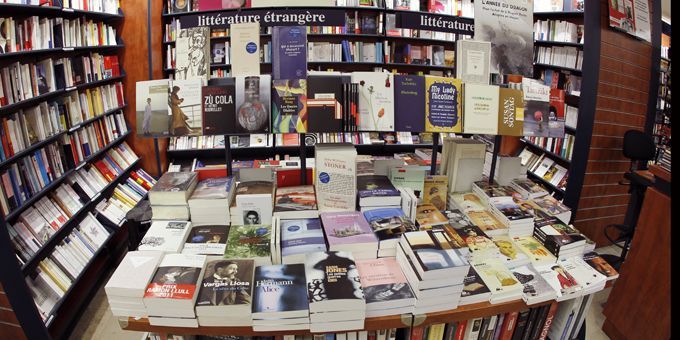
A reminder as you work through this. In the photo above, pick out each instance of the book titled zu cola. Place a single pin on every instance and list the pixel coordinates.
(219, 108)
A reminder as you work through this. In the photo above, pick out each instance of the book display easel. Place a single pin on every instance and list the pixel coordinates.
(61, 102)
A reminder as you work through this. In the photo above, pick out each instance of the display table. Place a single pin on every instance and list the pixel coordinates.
(639, 306)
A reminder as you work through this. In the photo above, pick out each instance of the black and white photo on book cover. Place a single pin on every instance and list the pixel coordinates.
(226, 282)
(151, 108)
(508, 25)
(192, 53)
(331, 276)
(278, 288)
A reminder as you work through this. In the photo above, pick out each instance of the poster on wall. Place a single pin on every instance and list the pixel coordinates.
(621, 15)
(508, 25)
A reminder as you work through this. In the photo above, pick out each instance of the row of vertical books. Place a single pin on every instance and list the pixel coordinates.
(29, 126)
(22, 81)
(88, 140)
(39, 222)
(40, 33)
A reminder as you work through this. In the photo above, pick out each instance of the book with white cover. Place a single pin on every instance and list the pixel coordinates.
(133, 274)
(245, 49)
(299, 237)
(474, 57)
(166, 236)
(376, 100)
(498, 278)
(174, 287)
(335, 177)
(564, 284)
(480, 113)
(536, 288)
(254, 200)
(590, 279)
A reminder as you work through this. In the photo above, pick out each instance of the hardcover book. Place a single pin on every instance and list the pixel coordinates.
(301, 237)
(511, 108)
(219, 109)
(384, 284)
(389, 224)
(227, 283)
(184, 107)
(253, 103)
(206, 240)
(279, 290)
(289, 105)
(481, 109)
(245, 49)
(333, 282)
(192, 54)
(289, 60)
(151, 108)
(376, 100)
(443, 111)
(409, 100)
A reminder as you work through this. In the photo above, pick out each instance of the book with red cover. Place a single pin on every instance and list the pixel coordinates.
(548, 321)
(291, 177)
(204, 173)
(460, 330)
(104, 170)
(141, 181)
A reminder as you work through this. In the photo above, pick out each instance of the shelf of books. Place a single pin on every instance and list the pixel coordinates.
(662, 123)
(68, 176)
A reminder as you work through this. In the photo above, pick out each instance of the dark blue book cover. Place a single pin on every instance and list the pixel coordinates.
(375, 185)
(409, 103)
(279, 288)
(388, 223)
(289, 60)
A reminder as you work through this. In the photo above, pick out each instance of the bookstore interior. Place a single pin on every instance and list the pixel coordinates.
(335, 169)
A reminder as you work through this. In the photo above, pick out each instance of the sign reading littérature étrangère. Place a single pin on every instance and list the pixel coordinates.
(435, 22)
(266, 17)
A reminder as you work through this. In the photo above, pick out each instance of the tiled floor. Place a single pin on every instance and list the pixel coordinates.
(98, 323)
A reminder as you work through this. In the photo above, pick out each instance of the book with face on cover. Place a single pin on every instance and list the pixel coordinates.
(384, 284)
(333, 282)
(279, 292)
(296, 202)
(254, 202)
(564, 284)
(206, 240)
(435, 191)
(427, 215)
(599, 264)
(227, 287)
(508, 252)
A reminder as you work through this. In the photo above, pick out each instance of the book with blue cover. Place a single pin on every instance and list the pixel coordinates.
(377, 190)
(299, 237)
(277, 292)
(289, 60)
(409, 100)
(389, 224)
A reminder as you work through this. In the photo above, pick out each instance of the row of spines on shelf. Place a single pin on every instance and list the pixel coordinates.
(44, 33)
(560, 147)
(568, 57)
(32, 175)
(22, 130)
(24, 81)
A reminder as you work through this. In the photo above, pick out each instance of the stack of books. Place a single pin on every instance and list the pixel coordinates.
(587, 277)
(168, 198)
(279, 298)
(299, 237)
(251, 242)
(560, 239)
(478, 212)
(165, 236)
(509, 253)
(474, 289)
(253, 203)
(536, 289)
(210, 201)
(206, 240)
(388, 224)
(171, 295)
(336, 297)
(562, 282)
(428, 217)
(604, 268)
(499, 279)
(547, 205)
(375, 191)
(434, 269)
(519, 221)
(125, 289)
(349, 231)
(386, 289)
(532, 248)
(295, 202)
(528, 188)
(226, 289)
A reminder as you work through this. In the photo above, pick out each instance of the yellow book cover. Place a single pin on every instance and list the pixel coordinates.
(52, 276)
(511, 107)
(90, 107)
(121, 197)
(443, 111)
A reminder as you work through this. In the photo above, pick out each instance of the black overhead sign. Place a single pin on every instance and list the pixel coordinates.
(266, 17)
(435, 22)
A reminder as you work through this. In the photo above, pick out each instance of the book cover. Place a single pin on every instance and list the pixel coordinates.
(443, 112)
(289, 60)
(512, 211)
(226, 283)
(174, 181)
(382, 280)
(481, 109)
(511, 108)
(375, 186)
(535, 250)
(325, 103)
(280, 288)
(409, 100)
(301, 236)
(289, 105)
(253, 103)
(184, 107)
(473, 284)
(534, 284)
(467, 202)
(388, 223)
(219, 109)
(177, 277)
(556, 118)
(343, 228)
(508, 251)
(433, 250)
(335, 177)
(474, 59)
(559, 279)
(476, 239)
(192, 53)
(427, 214)
(151, 108)
(245, 241)
(213, 188)
(245, 49)
(601, 265)
(332, 276)
(376, 100)
(536, 108)
(435, 191)
(496, 276)
(206, 240)
(295, 198)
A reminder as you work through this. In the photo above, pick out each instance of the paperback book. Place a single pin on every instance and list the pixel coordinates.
(376, 100)
(289, 105)
(279, 292)
(227, 287)
(385, 286)
(250, 241)
(253, 101)
(206, 240)
(389, 224)
(333, 282)
(296, 202)
(299, 237)
(443, 110)
(219, 110)
(152, 108)
(192, 54)
(184, 107)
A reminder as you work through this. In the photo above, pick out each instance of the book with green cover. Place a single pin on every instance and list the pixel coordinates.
(249, 241)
